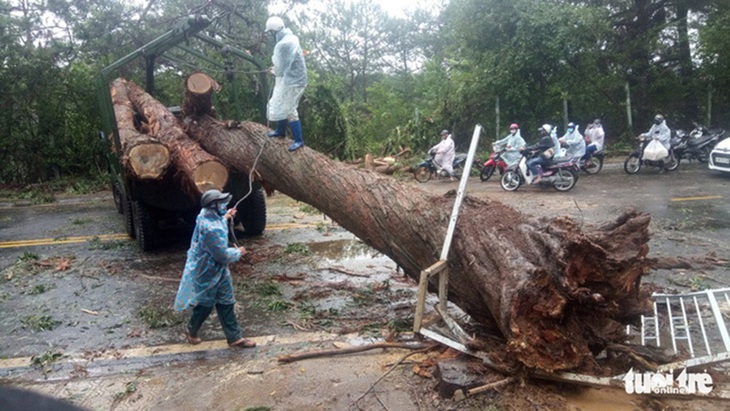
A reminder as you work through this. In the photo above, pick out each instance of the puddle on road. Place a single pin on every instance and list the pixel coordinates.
(343, 251)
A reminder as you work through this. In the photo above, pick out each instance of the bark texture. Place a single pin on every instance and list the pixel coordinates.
(198, 170)
(556, 291)
(144, 157)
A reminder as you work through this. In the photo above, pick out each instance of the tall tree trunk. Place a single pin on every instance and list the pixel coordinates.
(555, 291)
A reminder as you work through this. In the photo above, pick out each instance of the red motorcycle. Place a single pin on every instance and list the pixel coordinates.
(495, 162)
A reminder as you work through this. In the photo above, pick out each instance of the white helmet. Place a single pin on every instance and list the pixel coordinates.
(547, 127)
(275, 24)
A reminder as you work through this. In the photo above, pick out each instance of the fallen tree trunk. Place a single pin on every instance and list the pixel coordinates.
(144, 157)
(557, 293)
(199, 170)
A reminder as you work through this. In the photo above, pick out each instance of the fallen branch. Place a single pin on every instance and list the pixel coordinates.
(352, 350)
(345, 271)
(490, 386)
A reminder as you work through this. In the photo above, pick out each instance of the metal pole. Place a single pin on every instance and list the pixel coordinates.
(628, 108)
(497, 119)
(461, 192)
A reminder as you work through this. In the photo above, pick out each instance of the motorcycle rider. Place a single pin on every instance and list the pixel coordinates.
(543, 152)
(660, 131)
(512, 143)
(575, 142)
(444, 153)
(594, 138)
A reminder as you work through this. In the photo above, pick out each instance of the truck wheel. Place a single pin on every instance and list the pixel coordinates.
(252, 213)
(146, 227)
(128, 216)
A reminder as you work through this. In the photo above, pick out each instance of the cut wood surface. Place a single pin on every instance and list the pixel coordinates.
(199, 88)
(556, 292)
(142, 156)
(199, 170)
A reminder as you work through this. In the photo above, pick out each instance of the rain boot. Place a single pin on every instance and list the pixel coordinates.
(280, 129)
(296, 132)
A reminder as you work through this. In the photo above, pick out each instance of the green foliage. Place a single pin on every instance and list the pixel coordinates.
(156, 316)
(297, 248)
(39, 322)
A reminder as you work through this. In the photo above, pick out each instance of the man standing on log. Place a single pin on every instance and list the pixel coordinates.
(207, 280)
(291, 79)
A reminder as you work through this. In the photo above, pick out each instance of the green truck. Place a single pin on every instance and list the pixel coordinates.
(151, 207)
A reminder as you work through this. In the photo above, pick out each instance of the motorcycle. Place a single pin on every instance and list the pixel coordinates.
(561, 175)
(697, 144)
(593, 164)
(635, 161)
(427, 168)
(494, 163)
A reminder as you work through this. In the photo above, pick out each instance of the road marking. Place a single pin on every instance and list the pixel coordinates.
(113, 237)
(696, 198)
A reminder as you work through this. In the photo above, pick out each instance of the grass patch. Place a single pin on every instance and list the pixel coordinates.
(82, 221)
(297, 248)
(39, 322)
(45, 359)
(156, 317)
(308, 209)
(96, 244)
(40, 289)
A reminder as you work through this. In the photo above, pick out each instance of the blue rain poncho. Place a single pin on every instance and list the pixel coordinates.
(291, 77)
(661, 132)
(512, 144)
(206, 280)
(576, 144)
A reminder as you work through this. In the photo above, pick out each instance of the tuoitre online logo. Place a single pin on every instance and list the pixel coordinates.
(665, 383)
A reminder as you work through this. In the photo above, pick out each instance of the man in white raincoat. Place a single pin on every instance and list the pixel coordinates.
(291, 80)
(660, 131)
(574, 140)
(444, 153)
(511, 144)
(206, 280)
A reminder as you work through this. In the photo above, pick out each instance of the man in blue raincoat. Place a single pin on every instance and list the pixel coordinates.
(206, 280)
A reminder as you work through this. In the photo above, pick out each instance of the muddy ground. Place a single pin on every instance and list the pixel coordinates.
(88, 318)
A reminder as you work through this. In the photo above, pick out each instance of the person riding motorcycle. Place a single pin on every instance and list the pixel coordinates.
(543, 152)
(445, 151)
(575, 142)
(512, 143)
(594, 138)
(660, 131)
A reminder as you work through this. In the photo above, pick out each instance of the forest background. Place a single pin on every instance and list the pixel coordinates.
(378, 81)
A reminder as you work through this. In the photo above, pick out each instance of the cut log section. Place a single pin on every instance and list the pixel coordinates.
(199, 170)
(557, 292)
(142, 156)
(199, 88)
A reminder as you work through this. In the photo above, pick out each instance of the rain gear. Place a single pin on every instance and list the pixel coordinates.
(445, 152)
(596, 135)
(291, 77)
(512, 144)
(576, 144)
(661, 132)
(206, 279)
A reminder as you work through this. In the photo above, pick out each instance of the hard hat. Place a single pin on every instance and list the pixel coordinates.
(547, 127)
(658, 118)
(213, 196)
(514, 125)
(444, 132)
(571, 126)
(275, 24)
(597, 121)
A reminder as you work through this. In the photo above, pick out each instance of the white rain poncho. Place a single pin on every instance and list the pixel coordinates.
(661, 132)
(596, 135)
(556, 142)
(445, 152)
(576, 144)
(206, 279)
(291, 77)
(512, 144)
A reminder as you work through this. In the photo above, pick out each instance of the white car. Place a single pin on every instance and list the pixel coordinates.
(720, 156)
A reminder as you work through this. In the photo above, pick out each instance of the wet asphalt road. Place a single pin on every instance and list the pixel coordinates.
(96, 300)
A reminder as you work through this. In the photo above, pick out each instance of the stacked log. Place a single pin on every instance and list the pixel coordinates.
(143, 156)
